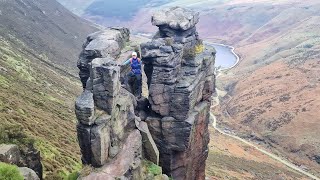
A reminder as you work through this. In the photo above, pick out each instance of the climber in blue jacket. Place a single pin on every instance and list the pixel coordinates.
(135, 75)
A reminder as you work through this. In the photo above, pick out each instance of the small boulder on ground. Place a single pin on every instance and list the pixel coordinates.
(9, 153)
(28, 174)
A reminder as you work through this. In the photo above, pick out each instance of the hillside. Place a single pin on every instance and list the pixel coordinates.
(273, 92)
(50, 30)
(277, 101)
(39, 41)
(76, 6)
(115, 13)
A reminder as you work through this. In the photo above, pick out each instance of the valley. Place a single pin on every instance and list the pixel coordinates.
(226, 54)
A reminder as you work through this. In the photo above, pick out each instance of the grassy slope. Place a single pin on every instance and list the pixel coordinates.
(39, 99)
(39, 45)
(278, 99)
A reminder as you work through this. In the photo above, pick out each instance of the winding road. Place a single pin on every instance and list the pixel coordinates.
(273, 156)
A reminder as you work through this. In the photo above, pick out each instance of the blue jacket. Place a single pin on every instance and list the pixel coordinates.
(135, 65)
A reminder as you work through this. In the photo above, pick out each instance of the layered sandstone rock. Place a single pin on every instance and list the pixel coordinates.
(116, 130)
(181, 81)
(108, 127)
(101, 44)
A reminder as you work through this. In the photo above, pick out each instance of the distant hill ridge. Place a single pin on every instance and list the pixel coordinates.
(46, 27)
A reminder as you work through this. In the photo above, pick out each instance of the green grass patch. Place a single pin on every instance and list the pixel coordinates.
(46, 96)
(14, 134)
(21, 111)
(36, 107)
(53, 158)
(73, 176)
(191, 52)
(4, 82)
(16, 62)
(48, 151)
(21, 66)
(9, 172)
(153, 168)
(51, 98)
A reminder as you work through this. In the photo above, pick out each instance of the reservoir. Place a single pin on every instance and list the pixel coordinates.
(225, 57)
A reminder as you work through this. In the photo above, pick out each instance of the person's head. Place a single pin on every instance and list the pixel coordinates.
(134, 55)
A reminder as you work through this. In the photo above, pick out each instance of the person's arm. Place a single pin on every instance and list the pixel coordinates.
(126, 62)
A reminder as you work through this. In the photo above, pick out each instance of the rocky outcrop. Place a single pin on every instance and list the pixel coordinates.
(181, 78)
(9, 153)
(108, 127)
(101, 44)
(28, 158)
(178, 24)
(175, 18)
(127, 159)
(116, 130)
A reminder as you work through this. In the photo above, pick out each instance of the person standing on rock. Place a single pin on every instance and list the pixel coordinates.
(135, 75)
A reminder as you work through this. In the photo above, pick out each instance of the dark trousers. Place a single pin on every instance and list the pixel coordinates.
(135, 83)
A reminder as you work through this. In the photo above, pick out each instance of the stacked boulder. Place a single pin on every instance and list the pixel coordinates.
(101, 44)
(180, 71)
(177, 23)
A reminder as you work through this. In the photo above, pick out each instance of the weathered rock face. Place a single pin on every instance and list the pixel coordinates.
(105, 113)
(26, 157)
(126, 164)
(108, 126)
(116, 130)
(100, 45)
(176, 18)
(181, 79)
(178, 24)
(30, 157)
(9, 153)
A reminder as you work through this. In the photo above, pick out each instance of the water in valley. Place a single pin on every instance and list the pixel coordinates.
(225, 57)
